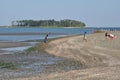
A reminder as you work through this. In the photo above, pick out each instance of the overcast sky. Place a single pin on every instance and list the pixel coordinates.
(94, 13)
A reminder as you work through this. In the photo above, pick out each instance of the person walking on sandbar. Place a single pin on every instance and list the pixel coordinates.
(84, 37)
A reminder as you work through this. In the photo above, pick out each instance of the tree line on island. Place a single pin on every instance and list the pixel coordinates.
(48, 23)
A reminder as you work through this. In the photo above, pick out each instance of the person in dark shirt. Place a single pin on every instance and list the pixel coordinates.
(106, 35)
(45, 39)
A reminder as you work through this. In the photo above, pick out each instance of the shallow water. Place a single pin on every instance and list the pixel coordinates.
(13, 50)
(16, 48)
(58, 32)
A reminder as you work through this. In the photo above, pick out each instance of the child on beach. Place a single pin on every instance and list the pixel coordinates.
(84, 37)
(45, 39)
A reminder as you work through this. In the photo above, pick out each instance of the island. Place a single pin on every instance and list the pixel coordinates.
(48, 23)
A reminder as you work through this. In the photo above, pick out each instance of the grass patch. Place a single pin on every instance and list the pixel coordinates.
(38, 47)
(8, 65)
(99, 31)
(32, 48)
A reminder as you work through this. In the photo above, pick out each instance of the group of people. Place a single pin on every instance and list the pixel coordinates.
(84, 38)
(107, 36)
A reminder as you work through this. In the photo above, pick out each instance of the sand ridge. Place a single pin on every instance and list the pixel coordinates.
(100, 56)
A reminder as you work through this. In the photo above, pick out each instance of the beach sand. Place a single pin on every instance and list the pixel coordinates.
(99, 56)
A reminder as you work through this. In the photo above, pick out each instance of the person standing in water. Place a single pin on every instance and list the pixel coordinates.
(84, 37)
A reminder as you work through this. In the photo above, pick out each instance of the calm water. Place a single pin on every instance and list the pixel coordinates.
(61, 31)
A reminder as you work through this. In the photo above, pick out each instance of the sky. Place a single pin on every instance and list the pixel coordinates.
(94, 13)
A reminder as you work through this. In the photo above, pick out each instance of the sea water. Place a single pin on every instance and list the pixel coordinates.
(58, 32)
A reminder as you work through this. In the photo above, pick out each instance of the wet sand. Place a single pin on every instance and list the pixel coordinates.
(31, 62)
(99, 56)
(13, 44)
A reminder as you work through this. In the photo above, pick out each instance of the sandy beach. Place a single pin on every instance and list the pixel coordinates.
(99, 56)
